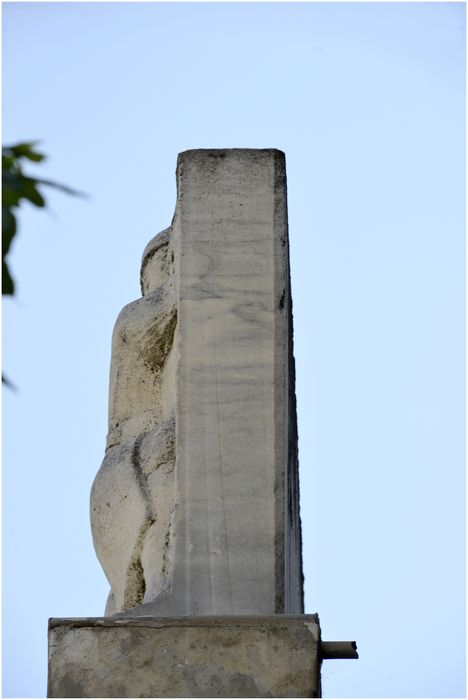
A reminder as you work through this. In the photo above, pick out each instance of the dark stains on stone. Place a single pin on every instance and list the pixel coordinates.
(157, 352)
(139, 475)
(281, 301)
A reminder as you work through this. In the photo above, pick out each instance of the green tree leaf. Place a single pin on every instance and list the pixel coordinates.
(24, 150)
(8, 286)
(8, 228)
(16, 187)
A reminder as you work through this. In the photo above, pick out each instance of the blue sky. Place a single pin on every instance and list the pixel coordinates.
(368, 103)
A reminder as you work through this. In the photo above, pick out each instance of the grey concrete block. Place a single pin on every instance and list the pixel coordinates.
(231, 656)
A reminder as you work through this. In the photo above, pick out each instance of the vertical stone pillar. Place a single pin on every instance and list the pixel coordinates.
(237, 533)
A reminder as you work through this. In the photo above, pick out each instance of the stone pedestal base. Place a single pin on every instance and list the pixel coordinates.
(229, 656)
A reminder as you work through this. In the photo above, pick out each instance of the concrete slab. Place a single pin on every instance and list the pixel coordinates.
(230, 656)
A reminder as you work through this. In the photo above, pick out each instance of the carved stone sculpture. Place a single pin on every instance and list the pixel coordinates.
(132, 500)
(195, 508)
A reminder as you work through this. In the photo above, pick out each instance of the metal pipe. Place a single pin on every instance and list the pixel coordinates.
(339, 650)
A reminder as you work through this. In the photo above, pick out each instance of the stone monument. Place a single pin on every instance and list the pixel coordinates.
(195, 509)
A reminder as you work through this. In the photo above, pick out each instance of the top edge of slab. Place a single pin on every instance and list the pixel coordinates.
(186, 621)
(201, 153)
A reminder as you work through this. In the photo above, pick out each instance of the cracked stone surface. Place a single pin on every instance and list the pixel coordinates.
(195, 509)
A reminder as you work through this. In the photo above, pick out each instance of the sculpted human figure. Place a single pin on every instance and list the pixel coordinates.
(132, 499)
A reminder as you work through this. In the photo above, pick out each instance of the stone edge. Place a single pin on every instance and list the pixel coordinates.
(188, 621)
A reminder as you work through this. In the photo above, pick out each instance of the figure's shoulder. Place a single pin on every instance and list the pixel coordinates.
(136, 316)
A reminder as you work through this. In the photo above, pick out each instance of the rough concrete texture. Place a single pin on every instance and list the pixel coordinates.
(195, 509)
(274, 656)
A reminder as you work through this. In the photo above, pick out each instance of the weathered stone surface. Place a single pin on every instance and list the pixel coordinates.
(133, 496)
(275, 656)
(195, 509)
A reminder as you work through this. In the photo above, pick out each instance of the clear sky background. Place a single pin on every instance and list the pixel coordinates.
(367, 101)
